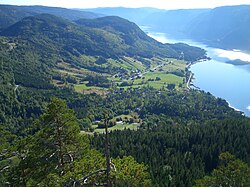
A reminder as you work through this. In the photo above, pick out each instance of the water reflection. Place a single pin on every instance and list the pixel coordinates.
(233, 54)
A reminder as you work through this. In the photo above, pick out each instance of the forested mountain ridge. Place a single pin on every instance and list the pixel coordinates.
(10, 14)
(46, 40)
(91, 40)
(117, 24)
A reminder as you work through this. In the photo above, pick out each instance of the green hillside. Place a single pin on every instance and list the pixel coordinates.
(10, 14)
(48, 41)
(133, 35)
(125, 39)
(43, 53)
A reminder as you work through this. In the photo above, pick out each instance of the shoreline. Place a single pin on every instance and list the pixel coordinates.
(215, 57)
(190, 83)
(191, 76)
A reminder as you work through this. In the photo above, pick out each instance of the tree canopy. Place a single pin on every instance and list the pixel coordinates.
(231, 172)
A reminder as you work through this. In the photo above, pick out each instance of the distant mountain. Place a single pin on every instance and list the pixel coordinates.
(223, 27)
(173, 22)
(11, 14)
(226, 27)
(136, 15)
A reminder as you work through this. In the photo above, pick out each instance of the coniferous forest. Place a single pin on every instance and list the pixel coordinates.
(114, 131)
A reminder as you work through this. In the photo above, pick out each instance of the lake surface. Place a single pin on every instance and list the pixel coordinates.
(230, 82)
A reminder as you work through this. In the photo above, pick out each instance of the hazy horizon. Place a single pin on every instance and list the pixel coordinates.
(161, 4)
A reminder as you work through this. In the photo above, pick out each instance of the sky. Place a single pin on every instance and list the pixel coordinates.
(162, 4)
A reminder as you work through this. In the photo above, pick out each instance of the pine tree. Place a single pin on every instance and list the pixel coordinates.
(54, 148)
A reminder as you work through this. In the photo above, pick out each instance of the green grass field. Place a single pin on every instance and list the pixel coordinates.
(166, 78)
(135, 63)
(164, 73)
(119, 127)
(82, 87)
(127, 63)
(163, 68)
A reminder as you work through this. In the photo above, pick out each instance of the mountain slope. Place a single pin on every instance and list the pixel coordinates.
(11, 14)
(140, 44)
(39, 43)
(108, 37)
(173, 22)
(170, 21)
(226, 27)
(133, 35)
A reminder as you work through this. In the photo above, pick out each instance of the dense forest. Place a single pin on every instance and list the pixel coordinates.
(183, 137)
(177, 144)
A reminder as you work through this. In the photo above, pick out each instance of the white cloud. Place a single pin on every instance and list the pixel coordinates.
(248, 108)
(163, 4)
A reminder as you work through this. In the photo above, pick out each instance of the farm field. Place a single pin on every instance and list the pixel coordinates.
(122, 74)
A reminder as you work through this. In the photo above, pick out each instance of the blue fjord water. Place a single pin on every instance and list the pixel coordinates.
(224, 80)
